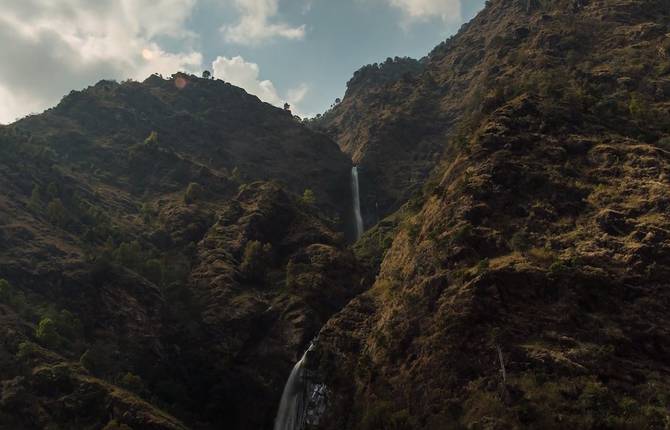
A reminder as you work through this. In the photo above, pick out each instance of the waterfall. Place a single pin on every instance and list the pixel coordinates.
(292, 412)
(355, 191)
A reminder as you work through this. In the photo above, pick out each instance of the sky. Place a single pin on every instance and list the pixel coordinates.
(297, 51)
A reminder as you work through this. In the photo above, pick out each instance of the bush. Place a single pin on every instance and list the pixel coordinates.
(35, 198)
(519, 241)
(129, 254)
(256, 260)
(5, 292)
(132, 382)
(115, 425)
(56, 212)
(308, 197)
(194, 192)
(47, 333)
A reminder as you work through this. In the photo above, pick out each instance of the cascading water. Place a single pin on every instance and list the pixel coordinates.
(292, 408)
(355, 192)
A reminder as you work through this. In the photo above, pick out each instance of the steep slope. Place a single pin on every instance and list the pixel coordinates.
(526, 286)
(133, 232)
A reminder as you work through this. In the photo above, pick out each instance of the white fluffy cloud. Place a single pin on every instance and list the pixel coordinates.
(246, 74)
(256, 26)
(447, 10)
(51, 47)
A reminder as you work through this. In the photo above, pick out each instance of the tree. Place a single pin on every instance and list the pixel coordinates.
(308, 197)
(36, 197)
(115, 425)
(151, 142)
(206, 74)
(193, 193)
(338, 101)
(56, 212)
(5, 291)
(287, 107)
(256, 260)
(47, 334)
(132, 382)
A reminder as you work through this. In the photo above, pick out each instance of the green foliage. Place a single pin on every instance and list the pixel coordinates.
(482, 266)
(26, 351)
(256, 260)
(664, 143)
(154, 271)
(382, 415)
(308, 197)
(132, 382)
(115, 425)
(5, 291)
(98, 359)
(14, 298)
(638, 109)
(152, 140)
(520, 241)
(290, 274)
(129, 254)
(236, 175)
(47, 333)
(194, 192)
(56, 212)
(35, 198)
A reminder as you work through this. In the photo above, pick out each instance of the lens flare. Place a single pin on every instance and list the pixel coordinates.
(180, 83)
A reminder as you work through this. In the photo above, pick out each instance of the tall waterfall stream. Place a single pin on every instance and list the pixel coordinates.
(356, 195)
(303, 402)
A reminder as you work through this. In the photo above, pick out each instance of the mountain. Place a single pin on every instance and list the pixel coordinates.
(524, 285)
(162, 265)
(170, 248)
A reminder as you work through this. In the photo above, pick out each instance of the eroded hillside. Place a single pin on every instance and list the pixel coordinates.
(526, 283)
(164, 265)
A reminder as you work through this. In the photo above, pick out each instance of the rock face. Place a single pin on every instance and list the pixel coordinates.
(527, 286)
(125, 217)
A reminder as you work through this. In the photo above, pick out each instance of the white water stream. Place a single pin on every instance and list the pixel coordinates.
(291, 414)
(355, 192)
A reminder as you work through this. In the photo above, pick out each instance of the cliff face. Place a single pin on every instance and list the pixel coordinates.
(526, 286)
(159, 259)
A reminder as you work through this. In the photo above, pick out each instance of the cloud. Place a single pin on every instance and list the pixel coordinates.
(417, 10)
(50, 48)
(255, 24)
(246, 75)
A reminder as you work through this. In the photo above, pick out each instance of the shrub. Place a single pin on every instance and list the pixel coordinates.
(154, 270)
(194, 192)
(56, 212)
(129, 254)
(519, 241)
(47, 333)
(256, 260)
(132, 382)
(308, 197)
(36, 198)
(151, 140)
(5, 292)
(115, 425)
